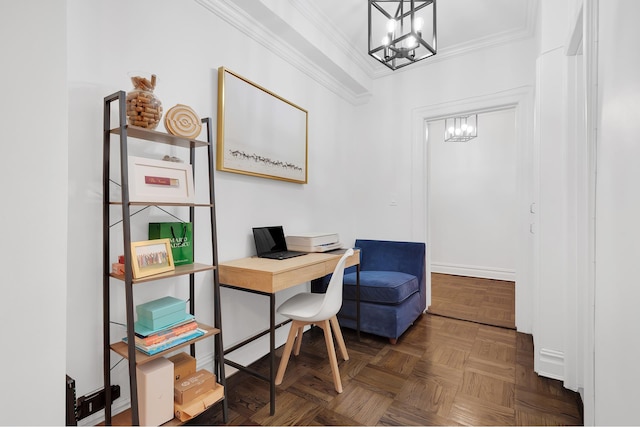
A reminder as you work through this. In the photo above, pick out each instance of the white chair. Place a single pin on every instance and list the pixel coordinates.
(320, 309)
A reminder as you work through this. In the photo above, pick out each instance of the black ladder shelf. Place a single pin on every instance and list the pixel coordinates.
(128, 350)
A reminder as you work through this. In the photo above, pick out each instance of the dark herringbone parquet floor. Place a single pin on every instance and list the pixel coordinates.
(442, 371)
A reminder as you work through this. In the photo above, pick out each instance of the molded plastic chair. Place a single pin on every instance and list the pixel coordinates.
(319, 309)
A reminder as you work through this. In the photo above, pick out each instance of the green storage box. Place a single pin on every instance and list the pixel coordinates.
(162, 312)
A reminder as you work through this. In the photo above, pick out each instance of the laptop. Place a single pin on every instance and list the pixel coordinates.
(270, 243)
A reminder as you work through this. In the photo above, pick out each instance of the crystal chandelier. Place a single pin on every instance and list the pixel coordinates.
(399, 30)
(460, 129)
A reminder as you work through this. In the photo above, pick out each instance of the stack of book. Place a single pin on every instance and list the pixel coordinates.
(163, 324)
(313, 242)
(154, 341)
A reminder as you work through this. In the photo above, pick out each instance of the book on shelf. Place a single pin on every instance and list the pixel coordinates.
(167, 334)
(312, 239)
(171, 342)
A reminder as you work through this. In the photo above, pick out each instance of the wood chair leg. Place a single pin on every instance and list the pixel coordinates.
(284, 361)
(338, 333)
(296, 350)
(333, 361)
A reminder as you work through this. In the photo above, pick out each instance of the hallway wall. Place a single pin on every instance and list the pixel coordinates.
(617, 318)
(33, 306)
(473, 199)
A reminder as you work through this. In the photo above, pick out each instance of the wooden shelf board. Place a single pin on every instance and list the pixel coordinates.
(195, 205)
(122, 347)
(162, 137)
(179, 271)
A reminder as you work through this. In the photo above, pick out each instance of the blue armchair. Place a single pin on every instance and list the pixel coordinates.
(392, 287)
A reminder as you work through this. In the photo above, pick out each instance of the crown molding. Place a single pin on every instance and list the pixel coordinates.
(352, 79)
(239, 18)
(335, 34)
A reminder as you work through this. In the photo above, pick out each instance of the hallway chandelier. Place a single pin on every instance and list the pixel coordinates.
(399, 30)
(460, 129)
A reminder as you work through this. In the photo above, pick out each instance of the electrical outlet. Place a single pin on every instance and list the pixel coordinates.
(94, 402)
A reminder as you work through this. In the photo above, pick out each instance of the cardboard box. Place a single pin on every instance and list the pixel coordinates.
(183, 365)
(161, 312)
(184, 412)
(117, 268)
(155, 392)
(193, 386)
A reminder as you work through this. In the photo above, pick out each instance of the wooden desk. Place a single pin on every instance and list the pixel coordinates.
(267, 277)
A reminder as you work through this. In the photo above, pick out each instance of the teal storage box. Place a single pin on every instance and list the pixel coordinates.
(162, 312)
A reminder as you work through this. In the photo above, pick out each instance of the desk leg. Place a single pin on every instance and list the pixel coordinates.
(272, 353)
(358, 301)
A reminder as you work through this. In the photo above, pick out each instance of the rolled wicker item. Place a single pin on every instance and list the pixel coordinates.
(181, 120)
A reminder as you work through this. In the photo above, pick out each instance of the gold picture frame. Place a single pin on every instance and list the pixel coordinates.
(151, 257)
(259, 133)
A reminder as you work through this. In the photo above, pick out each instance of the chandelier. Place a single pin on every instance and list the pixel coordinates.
(460, 129)
(399, 30)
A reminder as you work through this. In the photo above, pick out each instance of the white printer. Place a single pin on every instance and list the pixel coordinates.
(313, 242)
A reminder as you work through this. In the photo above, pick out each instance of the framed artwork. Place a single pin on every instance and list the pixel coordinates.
(160, 181)
(151, 257)
(259, 133)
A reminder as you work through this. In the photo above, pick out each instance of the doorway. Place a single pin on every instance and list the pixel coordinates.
(520, 101)
(473, 220)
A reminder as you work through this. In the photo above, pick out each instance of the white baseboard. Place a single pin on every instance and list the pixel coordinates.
(473, 271)
(550, 364)
(94, 419)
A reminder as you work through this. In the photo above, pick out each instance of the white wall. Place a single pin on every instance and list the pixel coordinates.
(473, 199)
(617, 341)
(563, 234)
(395, 159)
(606, 371)
(551, 215)
(184, 44)
(34, 211)
(386, 149)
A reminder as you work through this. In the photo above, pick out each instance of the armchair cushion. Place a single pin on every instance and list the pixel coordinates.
(381, 287)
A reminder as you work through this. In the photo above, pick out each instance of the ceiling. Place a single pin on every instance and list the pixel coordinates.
(327, 39)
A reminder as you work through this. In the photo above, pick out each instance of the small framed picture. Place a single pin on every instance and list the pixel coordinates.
(160, 181)
(151, 257)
